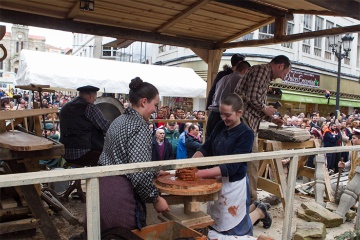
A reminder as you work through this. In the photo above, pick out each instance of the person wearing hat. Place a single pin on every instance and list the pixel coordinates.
(352, 191)
(82, 128)
(235, 59)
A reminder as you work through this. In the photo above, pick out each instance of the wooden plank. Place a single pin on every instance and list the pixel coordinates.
(121, 169)
(93, 208)
(270, 186)
(7, 115)
(14, 211)
(115, 32)
(289, 206)
(288, 145)
(328, 189)
(20, 141)
(18, 225)
(189, 219)
(8, 203)
(346, 7)
(290, 38)
(185, 13)
(56, 151)
(307, 172)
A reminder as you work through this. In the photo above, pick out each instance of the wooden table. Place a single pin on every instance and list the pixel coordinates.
(22, 151)
(191, 194)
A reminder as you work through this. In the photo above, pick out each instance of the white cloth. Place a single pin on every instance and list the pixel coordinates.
(230, 208)
(215, 235)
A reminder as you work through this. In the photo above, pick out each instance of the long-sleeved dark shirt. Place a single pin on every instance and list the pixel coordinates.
(225, 141)
(219, 76)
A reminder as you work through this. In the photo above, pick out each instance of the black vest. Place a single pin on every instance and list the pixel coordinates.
(76, 131)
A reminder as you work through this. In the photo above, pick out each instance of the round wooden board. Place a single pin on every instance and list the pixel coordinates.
(175, 186)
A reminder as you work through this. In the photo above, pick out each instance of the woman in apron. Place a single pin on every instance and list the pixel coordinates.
(231, 212)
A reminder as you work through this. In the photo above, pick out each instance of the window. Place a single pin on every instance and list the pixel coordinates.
(109, 51)
(307, 28)
(328, 50)
(317, 41)
(22, 45)
(267, 31)
(17, 47)
(162, 48)
(289, 31)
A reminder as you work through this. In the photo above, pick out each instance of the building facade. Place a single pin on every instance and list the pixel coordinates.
(15, 41)
(314, 66)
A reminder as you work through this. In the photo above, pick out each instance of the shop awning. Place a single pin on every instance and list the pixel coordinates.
(294, 96)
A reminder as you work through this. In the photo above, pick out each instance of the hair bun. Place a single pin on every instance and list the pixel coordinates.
(135, 83)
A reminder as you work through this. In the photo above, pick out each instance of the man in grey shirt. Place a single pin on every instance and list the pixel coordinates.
(225, 86)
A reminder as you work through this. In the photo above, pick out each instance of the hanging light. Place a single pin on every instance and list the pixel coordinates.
(87, 5)
(332, 41)
(346, 41)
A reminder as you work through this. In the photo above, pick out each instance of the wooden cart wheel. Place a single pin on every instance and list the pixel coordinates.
(3, 53)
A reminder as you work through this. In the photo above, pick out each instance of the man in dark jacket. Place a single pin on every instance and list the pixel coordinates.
(82, 128)
(192, 140)
(330, 138)
(161, 147)
(235, 59)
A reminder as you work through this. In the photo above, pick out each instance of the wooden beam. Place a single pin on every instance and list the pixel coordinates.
(74, 11)
(314, 12)
(349, 8)
(119, 43)
(256, 7)
(202, 53)
(6, 115)
(213, 67)
(280, 27)
(248, 30)
(187, 12)
(290, 38)
(100, 30)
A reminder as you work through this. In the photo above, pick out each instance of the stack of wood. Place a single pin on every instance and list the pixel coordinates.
(271, 131)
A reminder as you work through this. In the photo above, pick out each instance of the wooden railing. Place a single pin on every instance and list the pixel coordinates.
(92, 175)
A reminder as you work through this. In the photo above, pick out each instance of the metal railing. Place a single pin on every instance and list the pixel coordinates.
(92, 175)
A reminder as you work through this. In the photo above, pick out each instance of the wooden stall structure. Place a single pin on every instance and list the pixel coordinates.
(21, 152)
(207, 27)
(278, 186)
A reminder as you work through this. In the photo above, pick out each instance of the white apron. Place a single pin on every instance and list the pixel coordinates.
(230, 208)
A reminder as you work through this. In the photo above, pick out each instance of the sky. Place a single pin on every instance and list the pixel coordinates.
(54, 38)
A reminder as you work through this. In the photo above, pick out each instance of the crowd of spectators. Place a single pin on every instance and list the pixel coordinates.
(331, 131)
(20, 100)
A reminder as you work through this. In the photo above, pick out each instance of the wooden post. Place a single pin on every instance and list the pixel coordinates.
(93, 208)
(213, 67)
(290, 198)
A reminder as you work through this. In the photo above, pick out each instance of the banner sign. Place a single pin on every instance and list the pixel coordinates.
(302, 78)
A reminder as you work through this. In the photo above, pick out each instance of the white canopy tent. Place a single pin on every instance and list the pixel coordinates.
(65, 72)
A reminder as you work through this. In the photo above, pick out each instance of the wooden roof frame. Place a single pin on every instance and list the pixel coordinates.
(172, 29)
